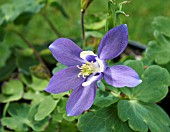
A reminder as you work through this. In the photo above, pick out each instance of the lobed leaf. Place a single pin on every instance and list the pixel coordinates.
(14, 124)
(11, 91)
(46, 106)
(161, 56)
(143, 116)
(22, 117)
(104, 99)
(102, 120)
(162, 42)
(18, 10)
(38, 84)
(162, 25)
(153, 87)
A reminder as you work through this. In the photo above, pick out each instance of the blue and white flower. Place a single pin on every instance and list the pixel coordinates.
(85, 69)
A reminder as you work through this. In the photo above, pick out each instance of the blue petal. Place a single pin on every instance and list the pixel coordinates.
(66, 52)
(65, 80)
(121, 76)
(81, 99)
(91, 58)
(113, 43)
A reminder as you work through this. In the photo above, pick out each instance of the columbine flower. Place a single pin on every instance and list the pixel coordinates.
(86, 68)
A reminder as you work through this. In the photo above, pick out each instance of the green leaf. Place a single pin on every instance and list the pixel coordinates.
(153, 87)
(55, 4)
(38, 84)
(69, 118)
(56, 116)
(95, 25)
(17, 110)
(47, 57)
(34, 85)
(146, 60)
(18, 113)
(24, 60)
(4, 54)
(47, 105)
(7, 70)
(104, 99)
(26, 52)
(2, 17)
(11, 91)
(103, 120)
(25, 79)
(67, 126)
(36, 125)
(59, 67)
(162, 25)
(161, 56)
(53, 126)
(61, 108)
(22, 118)
(8, 12)
(114, 91)
(95, 34)
(142, 116)
(18, 10)
(30, 94)
(101, 86)
(2, 34)
(167, 66)
(60, 95)
(11, 86)
(136, 65)
(39, 125)
(14, 124)
(23, 18)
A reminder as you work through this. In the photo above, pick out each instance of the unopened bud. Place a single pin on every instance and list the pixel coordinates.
(85, 4)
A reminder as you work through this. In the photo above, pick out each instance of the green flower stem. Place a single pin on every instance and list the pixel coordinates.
(5, 109)
(115, 94)
(51, 25)
(83, 30)
(119, 95)
(115, 10)
(85, 5)
(35, 51)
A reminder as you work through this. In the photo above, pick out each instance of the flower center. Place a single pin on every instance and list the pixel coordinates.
(87, 69)
(93, 64)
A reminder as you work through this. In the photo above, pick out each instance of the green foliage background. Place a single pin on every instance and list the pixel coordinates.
(139, 22)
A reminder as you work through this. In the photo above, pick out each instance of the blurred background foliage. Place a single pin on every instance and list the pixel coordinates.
(141, 13)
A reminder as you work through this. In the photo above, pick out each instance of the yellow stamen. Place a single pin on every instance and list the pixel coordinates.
(86, 69)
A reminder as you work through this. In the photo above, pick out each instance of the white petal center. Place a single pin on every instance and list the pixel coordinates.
(92, 67)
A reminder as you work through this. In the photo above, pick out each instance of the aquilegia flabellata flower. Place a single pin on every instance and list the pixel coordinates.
(86, 68)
